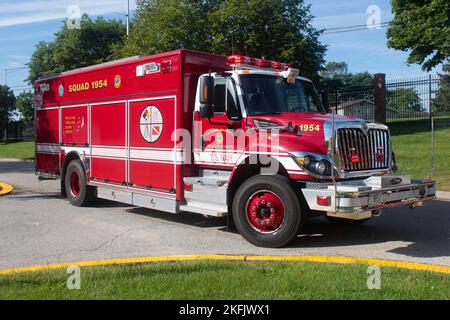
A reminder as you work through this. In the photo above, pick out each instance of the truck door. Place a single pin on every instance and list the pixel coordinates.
(152, 156)
(218, 141)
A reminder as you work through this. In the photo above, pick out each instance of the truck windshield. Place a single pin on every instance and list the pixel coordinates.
(267, 94)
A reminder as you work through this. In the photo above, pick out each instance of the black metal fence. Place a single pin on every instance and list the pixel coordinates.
(356, 101)
(409, 103)
(17, 131)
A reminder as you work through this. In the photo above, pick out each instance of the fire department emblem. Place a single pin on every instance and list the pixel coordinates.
(151, 124)
(117, 81)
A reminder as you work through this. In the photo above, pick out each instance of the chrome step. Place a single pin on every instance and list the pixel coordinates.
(207, 194)
(201, 209)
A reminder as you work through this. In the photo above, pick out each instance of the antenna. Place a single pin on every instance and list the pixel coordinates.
(128, 18)
(333, 139)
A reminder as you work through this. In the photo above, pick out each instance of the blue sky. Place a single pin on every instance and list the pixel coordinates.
(23, 23)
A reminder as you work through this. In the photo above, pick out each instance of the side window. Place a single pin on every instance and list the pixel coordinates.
(232, 108)
(224, 99)
(219, 96)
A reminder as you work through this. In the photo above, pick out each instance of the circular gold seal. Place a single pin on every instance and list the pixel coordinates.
(117, 81)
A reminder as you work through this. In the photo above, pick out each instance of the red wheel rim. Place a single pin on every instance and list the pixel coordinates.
(75, 184)
(265, 211)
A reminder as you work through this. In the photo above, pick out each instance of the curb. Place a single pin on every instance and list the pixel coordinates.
(243, 258)
(443, 195)
(17, 160)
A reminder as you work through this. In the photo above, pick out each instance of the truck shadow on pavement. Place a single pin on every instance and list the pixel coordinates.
(422, 232)
(185, 218)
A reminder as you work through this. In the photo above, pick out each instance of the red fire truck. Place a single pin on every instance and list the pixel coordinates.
(215, 135)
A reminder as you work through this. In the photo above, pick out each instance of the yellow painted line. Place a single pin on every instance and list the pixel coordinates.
(150, 259)
(205, 257)
(5, 188)
(347, 260)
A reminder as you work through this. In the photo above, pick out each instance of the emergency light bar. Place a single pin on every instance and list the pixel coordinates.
(244, 62)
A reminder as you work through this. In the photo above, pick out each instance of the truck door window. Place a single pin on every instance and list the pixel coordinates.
(233, 111)
(219, 95)
(225, 98)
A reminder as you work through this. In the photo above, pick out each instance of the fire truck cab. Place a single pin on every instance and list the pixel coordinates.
(215, 135)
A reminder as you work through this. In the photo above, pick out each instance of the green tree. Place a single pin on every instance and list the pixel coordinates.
(75, 48)
(273, 29)
(441, 102)
(422, 28)
(403, 100)
(335, 75)
(334, 70)
(24, 103)
(7, 107)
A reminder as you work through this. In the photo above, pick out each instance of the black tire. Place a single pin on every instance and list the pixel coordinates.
(346, 222)
(293, 215)
(85, 194)
(63, 188)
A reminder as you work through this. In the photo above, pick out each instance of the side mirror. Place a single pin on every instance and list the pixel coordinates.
(206, 97)
(207, 90)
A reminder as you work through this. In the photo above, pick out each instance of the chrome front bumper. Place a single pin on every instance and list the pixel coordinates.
(357, 198)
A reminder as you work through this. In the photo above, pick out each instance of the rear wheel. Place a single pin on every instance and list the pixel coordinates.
(266, 211)
(77, 190)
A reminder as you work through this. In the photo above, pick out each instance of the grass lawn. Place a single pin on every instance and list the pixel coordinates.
(17, 150)
(413, 153)
(227, 280)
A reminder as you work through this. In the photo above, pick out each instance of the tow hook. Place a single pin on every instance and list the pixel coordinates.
(376, 213)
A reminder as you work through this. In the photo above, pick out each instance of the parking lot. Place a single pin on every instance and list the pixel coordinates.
(37, 226)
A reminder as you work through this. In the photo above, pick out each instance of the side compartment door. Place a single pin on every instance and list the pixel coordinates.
(108, 149)
(47, 140)
(152, 153)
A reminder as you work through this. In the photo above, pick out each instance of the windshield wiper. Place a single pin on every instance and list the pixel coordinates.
(273, 113)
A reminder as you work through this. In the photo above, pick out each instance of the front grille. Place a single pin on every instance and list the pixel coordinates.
(359, 151)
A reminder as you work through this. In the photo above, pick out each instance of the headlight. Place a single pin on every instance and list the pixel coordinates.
(321, 167)
(318, 167)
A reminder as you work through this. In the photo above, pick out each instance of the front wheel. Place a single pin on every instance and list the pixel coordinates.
(266, 211)
(77, 190)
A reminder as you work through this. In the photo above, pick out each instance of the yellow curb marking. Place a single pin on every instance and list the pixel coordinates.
(323, 259)
(5, 188)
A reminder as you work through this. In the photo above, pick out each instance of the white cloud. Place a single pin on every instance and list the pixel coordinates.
(27, 12)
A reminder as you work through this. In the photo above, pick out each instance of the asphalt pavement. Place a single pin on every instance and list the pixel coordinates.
(37, 226)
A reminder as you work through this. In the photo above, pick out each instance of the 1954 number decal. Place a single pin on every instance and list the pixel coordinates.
(309, 127)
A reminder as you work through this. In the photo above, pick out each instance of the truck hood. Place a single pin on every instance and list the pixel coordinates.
(303, 118)
(316, 129)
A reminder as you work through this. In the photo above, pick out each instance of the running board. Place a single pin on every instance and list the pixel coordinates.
(207, 194)
(201, 209)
